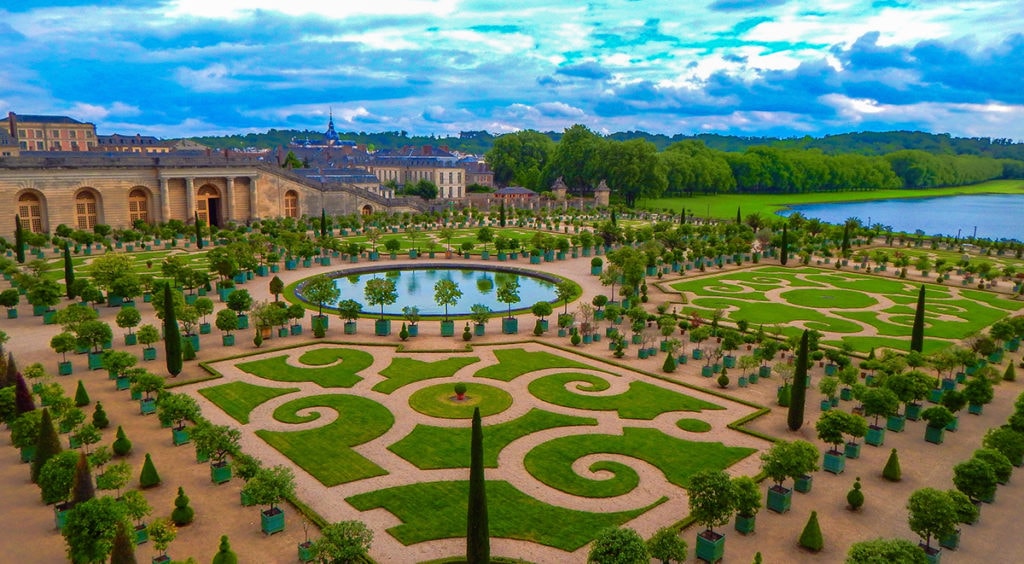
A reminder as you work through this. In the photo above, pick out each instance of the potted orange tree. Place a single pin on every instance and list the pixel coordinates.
(711, 503)
(268, 487)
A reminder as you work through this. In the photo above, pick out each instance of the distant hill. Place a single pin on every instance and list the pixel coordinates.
(479, 142)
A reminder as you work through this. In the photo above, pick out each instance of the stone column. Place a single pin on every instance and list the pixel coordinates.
(190, 199)
(165, 201)
(229, 198)
(254, 208)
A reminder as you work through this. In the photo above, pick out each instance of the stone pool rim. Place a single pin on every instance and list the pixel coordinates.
(373, 269)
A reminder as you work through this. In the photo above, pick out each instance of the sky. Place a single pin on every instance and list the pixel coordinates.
(179, 68)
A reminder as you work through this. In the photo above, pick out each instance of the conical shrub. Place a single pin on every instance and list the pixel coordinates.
(47, 445)
(82, 487)
(124, 546)
(122, 446)
(892, 470)
(149, 477)
(811, 538)
(81, 396)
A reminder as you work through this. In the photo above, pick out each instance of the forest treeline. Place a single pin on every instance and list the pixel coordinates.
(638, 164)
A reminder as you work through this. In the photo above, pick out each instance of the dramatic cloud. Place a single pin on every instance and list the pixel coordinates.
(767, 67)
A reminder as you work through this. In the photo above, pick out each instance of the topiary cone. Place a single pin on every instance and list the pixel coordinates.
(122, 446)
(811, 538)
(224, 554)
(892, 470)
(149, 477)
(81, 396)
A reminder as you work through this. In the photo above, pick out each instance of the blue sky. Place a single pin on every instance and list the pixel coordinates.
(176, 68)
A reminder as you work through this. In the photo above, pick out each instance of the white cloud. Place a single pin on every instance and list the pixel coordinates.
(231, 9)
(93, 112)
(212, 78)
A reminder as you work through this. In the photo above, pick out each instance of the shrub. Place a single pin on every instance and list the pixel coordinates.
(320, 333)
(618, 546)
(811, 538)
(404, 333)
(47, 445)
(666, 545)
(224, 554)
(1010, 374)
(460, 388)
(723, 380)
(99, 417)
(81, 396)
(182, 514)
(855, 497)
(892, 470)
(122, 446)
(575, 339)
(187, 351)
(149, 477)
(669, 365)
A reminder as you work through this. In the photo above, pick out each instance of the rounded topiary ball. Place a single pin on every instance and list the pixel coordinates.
(182, 514)
(855, 497)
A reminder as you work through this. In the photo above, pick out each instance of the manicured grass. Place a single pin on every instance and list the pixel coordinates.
(694, 425)
(552, 461)
(440, 401)
(429, 447)
(238, 399)
(723, 206)
(325, 452)
(641, 401)
(437, 510)
(403, 371)
(341, 375)
(513, 363)
(837, 303)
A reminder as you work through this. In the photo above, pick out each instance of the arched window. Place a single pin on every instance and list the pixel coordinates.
(291, 204)
(367, 210)
(30, 209)
(138, 206)
(85, 210)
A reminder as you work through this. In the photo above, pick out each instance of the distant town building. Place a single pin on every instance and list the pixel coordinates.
(50, 133)
(515, 193)
(8, 145)
(131, 144)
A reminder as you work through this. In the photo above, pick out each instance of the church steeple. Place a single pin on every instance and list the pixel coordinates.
(331, 136)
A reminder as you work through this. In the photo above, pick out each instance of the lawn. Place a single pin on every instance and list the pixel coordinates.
(440, 401)
(839, 302)
(331, 374)
(437, 510)
(552, 461)
(640, 401)
(238, 399)
(325, 452)
(405, 370)
(513, 363)
(428, 447)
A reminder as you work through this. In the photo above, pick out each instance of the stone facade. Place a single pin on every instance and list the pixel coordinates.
(85, 190)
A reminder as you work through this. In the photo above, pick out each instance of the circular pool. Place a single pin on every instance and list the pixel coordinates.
(415, 287)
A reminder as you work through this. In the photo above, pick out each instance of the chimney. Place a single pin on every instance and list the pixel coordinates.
(427, 149)
(444, 148)
(12, 121)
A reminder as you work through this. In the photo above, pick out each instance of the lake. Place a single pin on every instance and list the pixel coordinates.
(995, 216)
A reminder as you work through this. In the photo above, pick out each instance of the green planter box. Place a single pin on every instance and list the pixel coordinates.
(141, 534)
(875, 436)
(846, 394)
(382, 327)
(745, 525)
(834, 462)
(243, 321)
(913, 411)
(227, 340)
(27, 453)
(934, 435)
(955, 424)
(350, 328)
(95, 361)
(123, 383)
(272, 521)
(296, 329)
(220, 472)
(509, 325)
(932, 554)
(195, 341)
(12, 313)
(935, 396)
(851, 450)
(64, 368)
(149, 353)
(951, 542)
(478, 330)
(60, 515)
(147, 406)
(322, 321)
(804, 483)
(50, 317)
(204, 328)
(306, 551)
(780, 499)
(896, 423)
(764, 371)
(180, 436)
(975, 408)
(414, 330)
(710, 546)
(447, 328)
(130, 340)
(729, 361)
(697, 354)
(282, 332)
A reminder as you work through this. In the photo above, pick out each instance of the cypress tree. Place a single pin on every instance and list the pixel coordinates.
(182, 514)
(844, 247)
(784, 248)
(99, 417)
(69, 273)
(478, 544)
(19, 239)
(124, 547)
(682, 217)
(224, 554)
(917, 334)
(82, 487)
(172, 335)
(892, 471)
(323, 233)
(23, 401)
(199, 232)
(47, 444)
(122, 446)
(501, 214)
(149, 477)
(11, 373)
(798, 396)
(811, 538)
(81, 396)
(739, 220)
